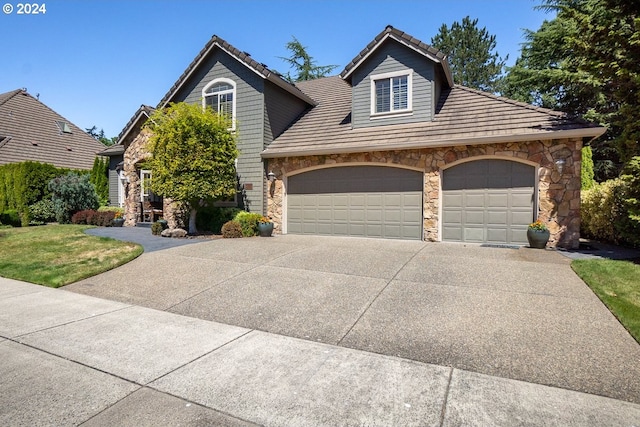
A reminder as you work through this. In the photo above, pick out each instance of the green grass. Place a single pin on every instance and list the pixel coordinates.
(617, 284)
(56, 255)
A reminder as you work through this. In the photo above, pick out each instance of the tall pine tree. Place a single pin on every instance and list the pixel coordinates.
(471, 51)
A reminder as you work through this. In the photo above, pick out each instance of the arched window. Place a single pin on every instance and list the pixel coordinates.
(220, 95)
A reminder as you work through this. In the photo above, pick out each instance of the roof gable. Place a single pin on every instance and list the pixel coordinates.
(30, 130)
(390, 33)
(244, 58)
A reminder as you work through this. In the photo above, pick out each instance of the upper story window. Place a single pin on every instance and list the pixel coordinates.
(220, 95)
(391, 93)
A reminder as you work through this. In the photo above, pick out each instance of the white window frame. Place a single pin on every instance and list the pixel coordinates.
(389, 76)
(232, 91)
(121, 181)
(142, 189)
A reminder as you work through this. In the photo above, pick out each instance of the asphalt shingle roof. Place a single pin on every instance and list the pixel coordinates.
(463, 116)
(29, 131)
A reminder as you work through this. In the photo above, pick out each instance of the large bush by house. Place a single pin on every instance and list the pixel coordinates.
(610, 211)
(24, 184)
(72, 193)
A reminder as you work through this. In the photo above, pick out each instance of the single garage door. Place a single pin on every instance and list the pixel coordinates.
(487, 201)
(366, 201)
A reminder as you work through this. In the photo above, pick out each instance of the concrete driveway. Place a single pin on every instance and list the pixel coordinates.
(513, 313)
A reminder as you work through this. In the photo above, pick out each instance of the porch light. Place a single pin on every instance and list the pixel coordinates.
(560, 165)
(271, 176)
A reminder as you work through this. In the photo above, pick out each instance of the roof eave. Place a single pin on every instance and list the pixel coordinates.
(591, 132)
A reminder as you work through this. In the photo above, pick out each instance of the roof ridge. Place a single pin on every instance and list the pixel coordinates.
(15, 92)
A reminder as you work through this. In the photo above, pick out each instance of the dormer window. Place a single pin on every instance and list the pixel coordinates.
(220, 95)
(64, 127)
(391, 93)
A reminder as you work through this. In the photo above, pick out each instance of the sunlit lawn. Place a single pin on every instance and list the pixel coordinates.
(617, 284)
(56, 255)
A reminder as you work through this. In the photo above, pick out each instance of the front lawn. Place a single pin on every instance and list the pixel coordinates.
(56, 255)
(617, 284)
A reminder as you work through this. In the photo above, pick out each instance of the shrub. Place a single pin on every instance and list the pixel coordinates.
(231, 230)
(156, 228)
(605, 213)
(42, 212)
(10, 217)
(211, 218)
(72, 193)
(93, 217)
(249, 222)
(586, 172)
(99, 177)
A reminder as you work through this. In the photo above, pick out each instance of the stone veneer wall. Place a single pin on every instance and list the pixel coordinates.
(558, 194)
(135, 153)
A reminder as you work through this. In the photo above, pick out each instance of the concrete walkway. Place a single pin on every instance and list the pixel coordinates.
(70, 359)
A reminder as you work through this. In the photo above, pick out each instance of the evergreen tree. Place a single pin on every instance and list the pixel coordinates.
(304, 64)
(471, 53)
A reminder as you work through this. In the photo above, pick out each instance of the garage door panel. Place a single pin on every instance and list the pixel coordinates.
(474, 200)
(487, 201)
(475, 235)
(361, 201)
(473, 217)
(521, 200)
(497, 217)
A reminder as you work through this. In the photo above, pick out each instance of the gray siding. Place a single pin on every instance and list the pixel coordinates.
(391, 57)
(113, 180)
(280, 110)
(249, 117)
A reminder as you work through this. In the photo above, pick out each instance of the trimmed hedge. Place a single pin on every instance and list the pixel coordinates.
(93, 217)
(210, 218)
(231, 230)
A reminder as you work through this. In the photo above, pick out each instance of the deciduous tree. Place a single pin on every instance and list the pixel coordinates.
(193, 156)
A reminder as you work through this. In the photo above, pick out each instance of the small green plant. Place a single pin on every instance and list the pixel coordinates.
(42, 212)
(249, 222)
(156, 228)
(538, 226)
(231, 230)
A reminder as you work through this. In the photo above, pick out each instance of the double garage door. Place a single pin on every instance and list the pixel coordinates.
(365, 201)
(483, 201)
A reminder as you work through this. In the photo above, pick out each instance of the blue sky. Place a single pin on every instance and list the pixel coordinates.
(96, 61)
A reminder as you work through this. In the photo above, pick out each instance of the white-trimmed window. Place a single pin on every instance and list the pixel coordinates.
(391, 93)
(145, 185)
(220, 95)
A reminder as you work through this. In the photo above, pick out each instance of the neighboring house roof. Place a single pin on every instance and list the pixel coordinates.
(463, 116)
(260, 69)
(401, 37)
(29, 130)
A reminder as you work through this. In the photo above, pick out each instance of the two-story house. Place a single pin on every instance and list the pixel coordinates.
(390, 148)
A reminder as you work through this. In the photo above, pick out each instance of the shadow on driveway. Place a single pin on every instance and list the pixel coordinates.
(143, 237)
